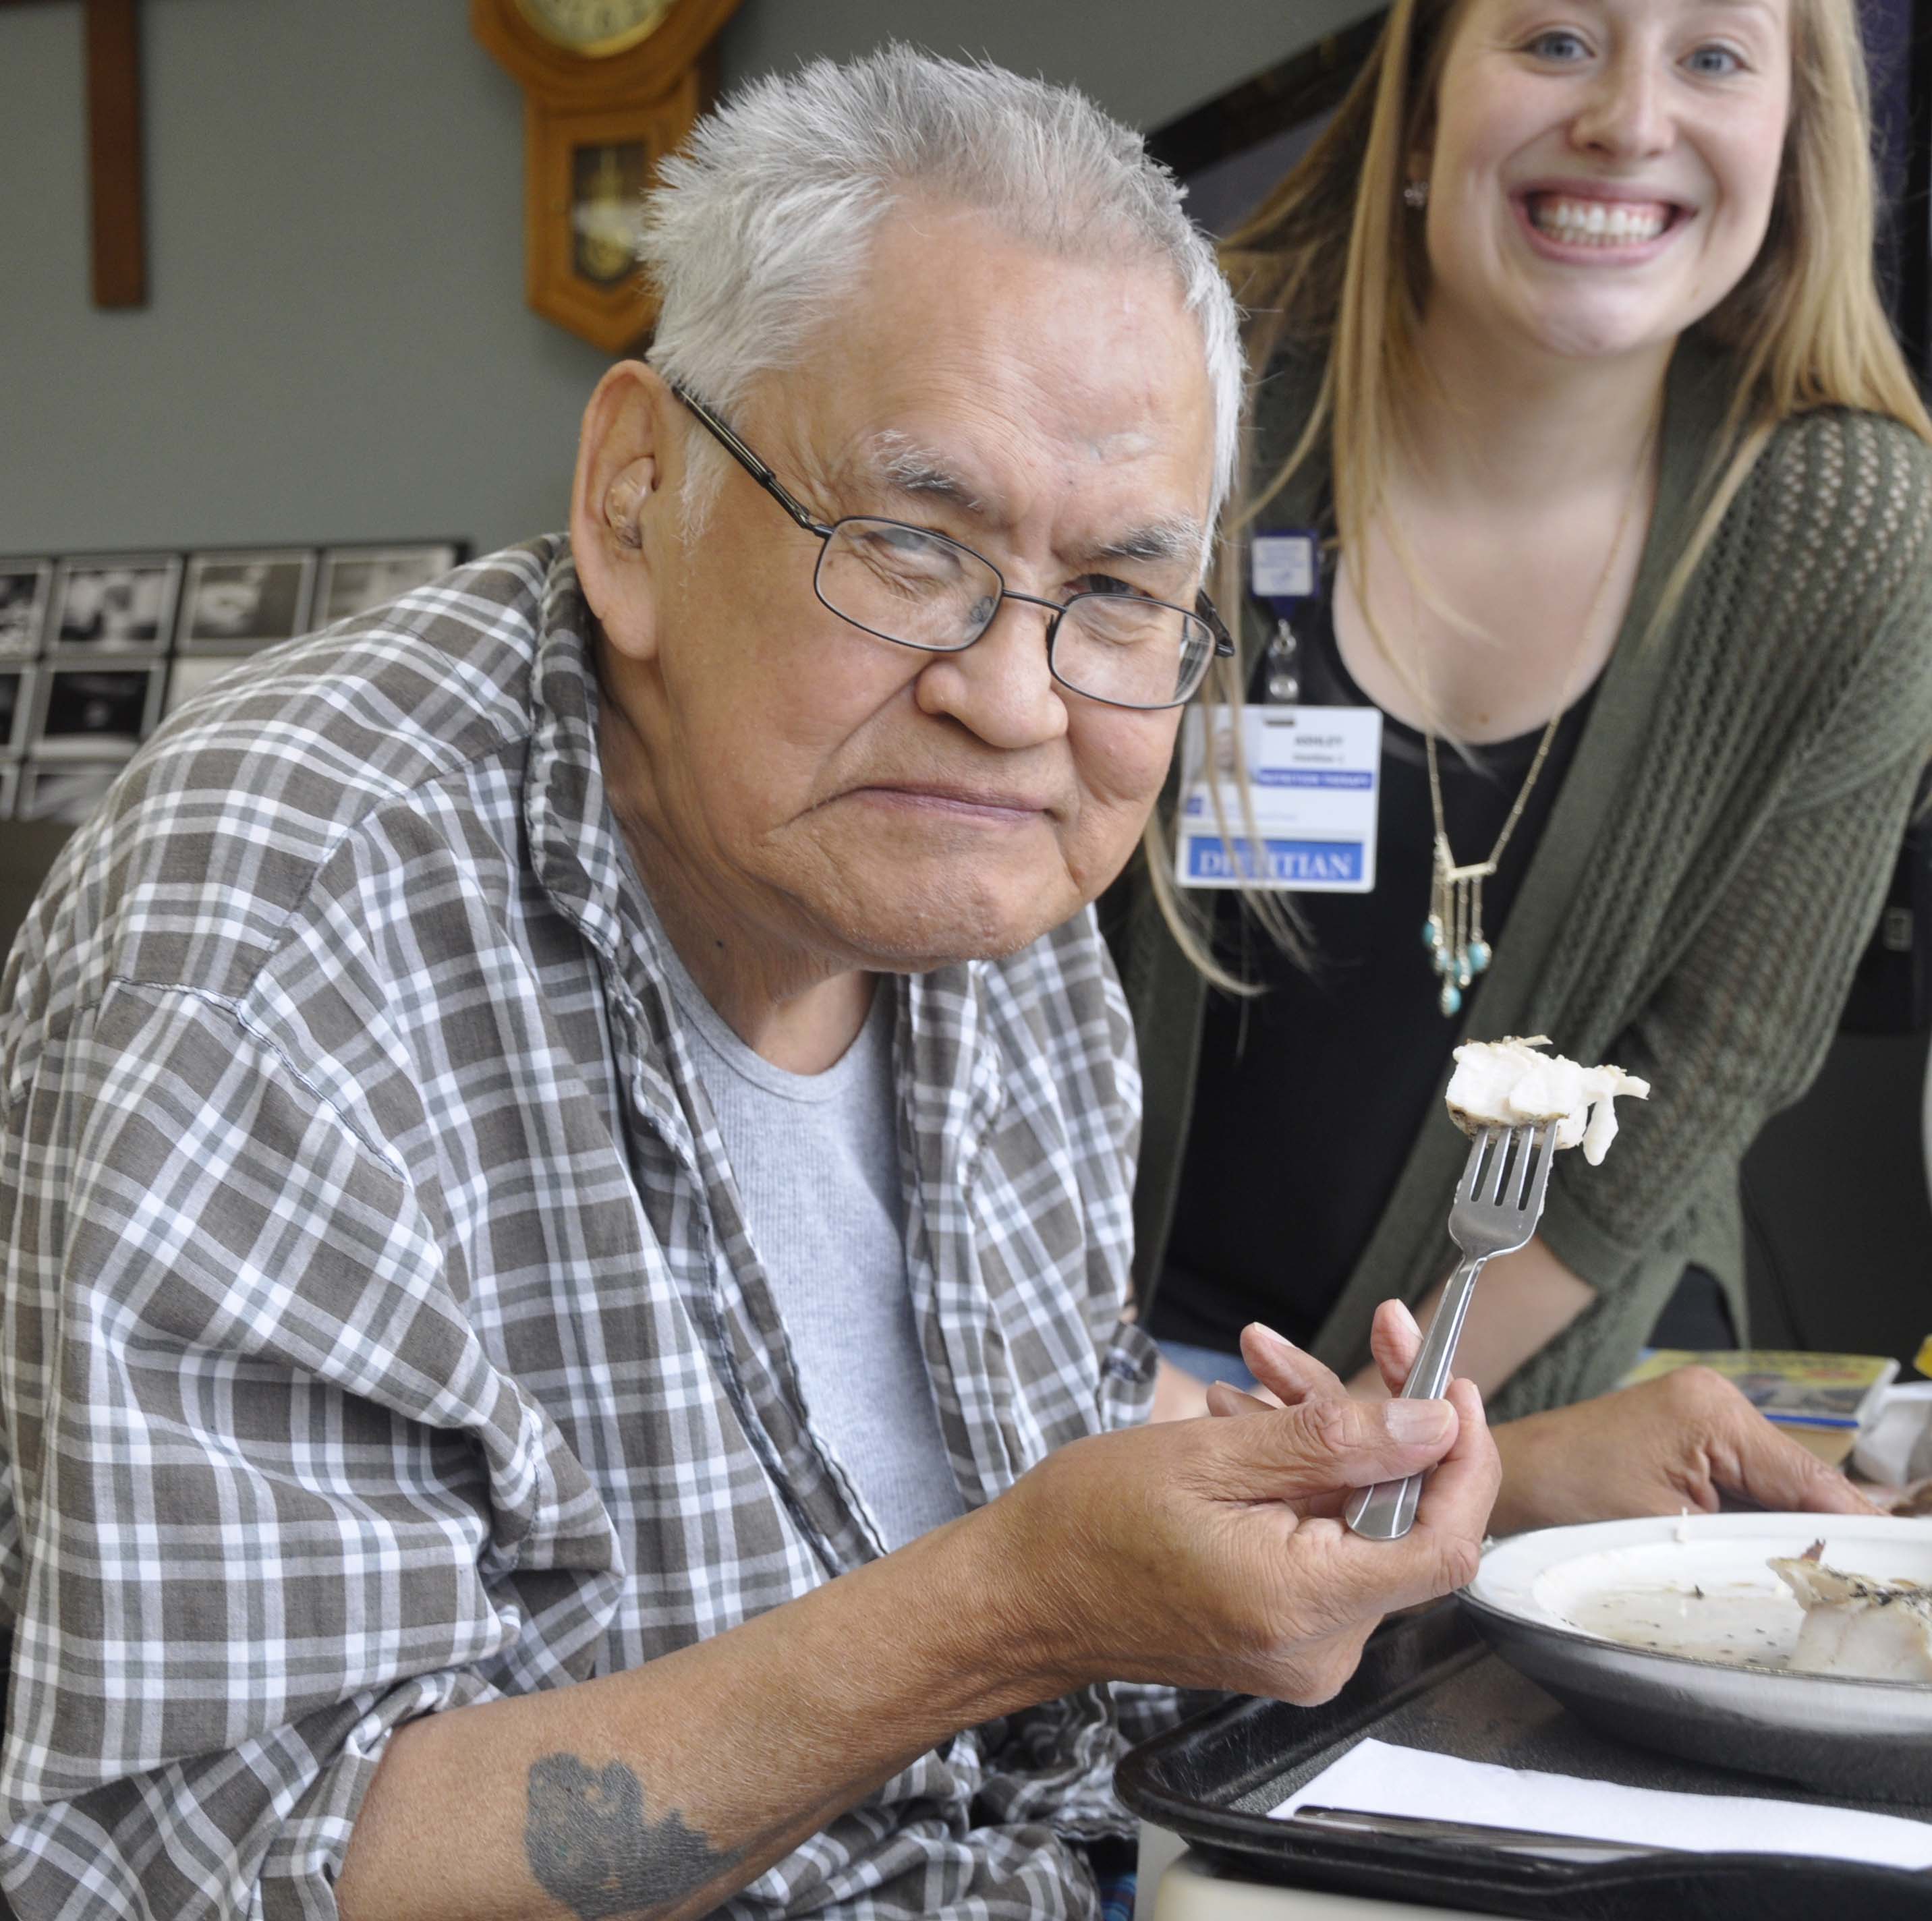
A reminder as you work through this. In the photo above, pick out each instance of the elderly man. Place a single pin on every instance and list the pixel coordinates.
(569, 1141)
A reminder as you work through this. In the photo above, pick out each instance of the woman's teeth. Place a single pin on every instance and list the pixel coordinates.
(1598, 223)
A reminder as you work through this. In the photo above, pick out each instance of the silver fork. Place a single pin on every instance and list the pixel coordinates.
(1481, 1224)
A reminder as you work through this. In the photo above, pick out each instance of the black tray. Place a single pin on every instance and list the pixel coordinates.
(1426, 1681)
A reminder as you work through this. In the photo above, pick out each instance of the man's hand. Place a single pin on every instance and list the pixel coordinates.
(1686, 1440)
(1208, 1553)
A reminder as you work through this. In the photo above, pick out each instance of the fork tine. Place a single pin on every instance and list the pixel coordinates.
(1510, 1138)
(1545, 1159)
(1528, 1140)
(1472, 1169)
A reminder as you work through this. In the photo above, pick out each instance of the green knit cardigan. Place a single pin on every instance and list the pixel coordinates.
(1702, 892)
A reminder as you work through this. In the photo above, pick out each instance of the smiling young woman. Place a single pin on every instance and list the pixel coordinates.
(1570, 349)
(1638, 148)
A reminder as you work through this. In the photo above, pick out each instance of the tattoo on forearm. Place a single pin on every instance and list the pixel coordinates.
(591, 1848)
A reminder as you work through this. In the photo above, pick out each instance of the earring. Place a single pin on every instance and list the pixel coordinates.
(1415, 194)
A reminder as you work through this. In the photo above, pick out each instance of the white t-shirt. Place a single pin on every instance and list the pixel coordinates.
(817, 1161)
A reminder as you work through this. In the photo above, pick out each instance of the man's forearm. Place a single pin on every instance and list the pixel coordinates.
(1188, 1552)
(662, 1790)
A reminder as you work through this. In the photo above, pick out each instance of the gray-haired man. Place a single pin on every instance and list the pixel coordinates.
(570, 1140)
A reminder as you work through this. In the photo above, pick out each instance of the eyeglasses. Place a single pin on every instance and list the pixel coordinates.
(919, 588)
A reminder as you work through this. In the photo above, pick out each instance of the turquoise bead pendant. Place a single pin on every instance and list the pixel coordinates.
(1453, 931)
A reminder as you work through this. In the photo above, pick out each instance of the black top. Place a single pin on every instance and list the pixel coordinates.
(1310, 1095)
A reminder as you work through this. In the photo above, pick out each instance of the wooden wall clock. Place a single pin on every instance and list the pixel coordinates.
(610, 87)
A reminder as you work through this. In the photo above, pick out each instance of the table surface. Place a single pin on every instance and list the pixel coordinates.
(1177, 1885)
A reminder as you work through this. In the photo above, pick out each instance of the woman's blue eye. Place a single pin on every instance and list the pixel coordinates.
(1715, 63)
(1559, 45)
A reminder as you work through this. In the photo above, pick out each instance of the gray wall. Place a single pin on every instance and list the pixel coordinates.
(336, 346)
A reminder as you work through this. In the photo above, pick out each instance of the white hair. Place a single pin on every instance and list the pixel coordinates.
(757, 231)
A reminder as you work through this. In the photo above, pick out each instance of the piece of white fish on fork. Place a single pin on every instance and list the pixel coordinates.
(1507, 1083)
(1857, 1624)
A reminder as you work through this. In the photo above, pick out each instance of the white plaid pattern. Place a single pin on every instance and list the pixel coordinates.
(381, 1333)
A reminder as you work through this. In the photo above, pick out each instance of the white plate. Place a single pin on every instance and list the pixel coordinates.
(1669, 1632)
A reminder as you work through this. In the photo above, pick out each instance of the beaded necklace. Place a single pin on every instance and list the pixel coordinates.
(1452, 934)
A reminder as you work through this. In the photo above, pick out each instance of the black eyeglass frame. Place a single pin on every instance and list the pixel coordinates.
(1203, 610)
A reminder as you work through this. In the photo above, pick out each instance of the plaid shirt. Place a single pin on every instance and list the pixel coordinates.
(381, 1335)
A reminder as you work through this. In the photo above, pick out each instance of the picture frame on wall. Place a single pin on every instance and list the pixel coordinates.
(24, 586)
(354, 578)
(188, 674)
(95, 710)
(17, 680)
(66, 792)
(242, 598)
(112, 604)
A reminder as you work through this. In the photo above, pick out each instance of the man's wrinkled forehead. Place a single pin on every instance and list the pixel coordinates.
(1015, 388)
(911, 470)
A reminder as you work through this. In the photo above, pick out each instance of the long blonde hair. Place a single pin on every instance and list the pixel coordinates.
(1329, 264)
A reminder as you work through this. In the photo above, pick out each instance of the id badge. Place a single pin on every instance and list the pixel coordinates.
(1312, 787)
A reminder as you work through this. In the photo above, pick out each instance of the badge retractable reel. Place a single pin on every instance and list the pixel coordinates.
(1282, 573)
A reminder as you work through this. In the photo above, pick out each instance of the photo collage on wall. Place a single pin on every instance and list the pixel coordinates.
(96, 649)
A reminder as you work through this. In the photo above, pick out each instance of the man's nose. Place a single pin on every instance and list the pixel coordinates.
(1627, 114)
(1001, 687)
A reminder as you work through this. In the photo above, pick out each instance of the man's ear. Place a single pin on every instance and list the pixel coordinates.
(616, 529)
